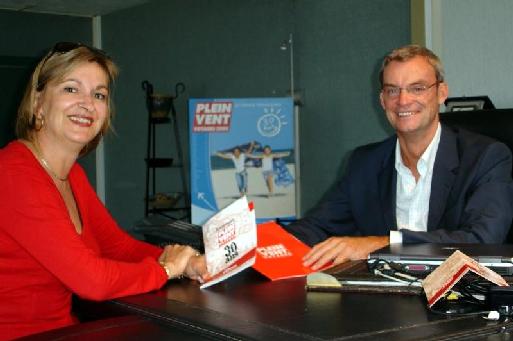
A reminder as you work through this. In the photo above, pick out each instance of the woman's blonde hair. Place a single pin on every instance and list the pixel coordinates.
(57, 63)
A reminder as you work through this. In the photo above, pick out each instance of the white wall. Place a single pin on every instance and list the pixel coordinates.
(474, 39)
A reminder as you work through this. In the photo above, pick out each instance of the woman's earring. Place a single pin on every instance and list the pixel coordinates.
(38, 122)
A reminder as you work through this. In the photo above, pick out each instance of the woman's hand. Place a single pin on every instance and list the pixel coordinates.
(197, 268)
(176, 258)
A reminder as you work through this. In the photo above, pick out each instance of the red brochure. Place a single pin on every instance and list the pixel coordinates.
(280, 254)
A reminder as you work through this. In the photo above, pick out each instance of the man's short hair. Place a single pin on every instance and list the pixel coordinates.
(405, 53)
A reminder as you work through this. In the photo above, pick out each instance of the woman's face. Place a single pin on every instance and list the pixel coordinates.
(74, 108)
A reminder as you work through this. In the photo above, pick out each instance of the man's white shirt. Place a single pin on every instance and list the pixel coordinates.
(412, 198)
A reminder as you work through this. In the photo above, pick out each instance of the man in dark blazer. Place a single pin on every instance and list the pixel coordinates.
(427, 183)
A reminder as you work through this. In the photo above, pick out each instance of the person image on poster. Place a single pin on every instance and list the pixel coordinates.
(268, 157)
(239, 158)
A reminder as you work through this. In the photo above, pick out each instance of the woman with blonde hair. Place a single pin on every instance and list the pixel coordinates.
(56, 237)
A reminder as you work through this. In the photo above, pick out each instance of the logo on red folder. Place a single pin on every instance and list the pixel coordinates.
(212, 117)
(279, 254)
(274, 251)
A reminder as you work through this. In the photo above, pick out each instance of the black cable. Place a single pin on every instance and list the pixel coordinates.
(392, 271)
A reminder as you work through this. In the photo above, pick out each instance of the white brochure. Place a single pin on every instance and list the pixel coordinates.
(230, 239)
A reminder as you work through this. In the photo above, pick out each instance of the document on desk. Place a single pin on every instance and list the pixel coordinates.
(354, 276)
(230, 239)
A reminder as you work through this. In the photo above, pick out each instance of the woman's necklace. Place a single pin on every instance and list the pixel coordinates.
(46, 165)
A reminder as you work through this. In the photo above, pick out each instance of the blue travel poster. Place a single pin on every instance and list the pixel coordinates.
(242, 146)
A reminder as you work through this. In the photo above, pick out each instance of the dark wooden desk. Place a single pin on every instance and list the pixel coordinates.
(249, 307)
(121, 328)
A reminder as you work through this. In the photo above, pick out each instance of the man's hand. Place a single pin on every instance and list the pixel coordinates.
(342, 249)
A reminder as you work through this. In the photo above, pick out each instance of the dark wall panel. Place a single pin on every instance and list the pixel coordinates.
(30, 35)
(339, 48)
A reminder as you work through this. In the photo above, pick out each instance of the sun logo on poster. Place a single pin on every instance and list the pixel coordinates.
(271, 122)
(274, 251)
(212, 117)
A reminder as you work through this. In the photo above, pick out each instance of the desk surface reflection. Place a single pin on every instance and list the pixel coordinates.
(250, 307)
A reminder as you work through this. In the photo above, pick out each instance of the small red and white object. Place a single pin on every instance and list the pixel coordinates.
(445, 276)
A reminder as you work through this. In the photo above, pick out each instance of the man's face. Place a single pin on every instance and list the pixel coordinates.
(411, 97)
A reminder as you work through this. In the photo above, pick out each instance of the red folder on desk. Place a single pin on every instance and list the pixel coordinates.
(280, 254)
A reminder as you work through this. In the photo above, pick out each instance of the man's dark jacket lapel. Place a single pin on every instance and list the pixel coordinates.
(444, 171)
(387, 181)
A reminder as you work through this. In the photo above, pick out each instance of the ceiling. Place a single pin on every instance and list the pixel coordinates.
(83, 8)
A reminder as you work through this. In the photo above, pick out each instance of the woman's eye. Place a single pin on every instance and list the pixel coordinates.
(100, 96)
(70, 89)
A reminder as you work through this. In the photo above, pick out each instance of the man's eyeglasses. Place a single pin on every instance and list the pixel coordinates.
(415, 90)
